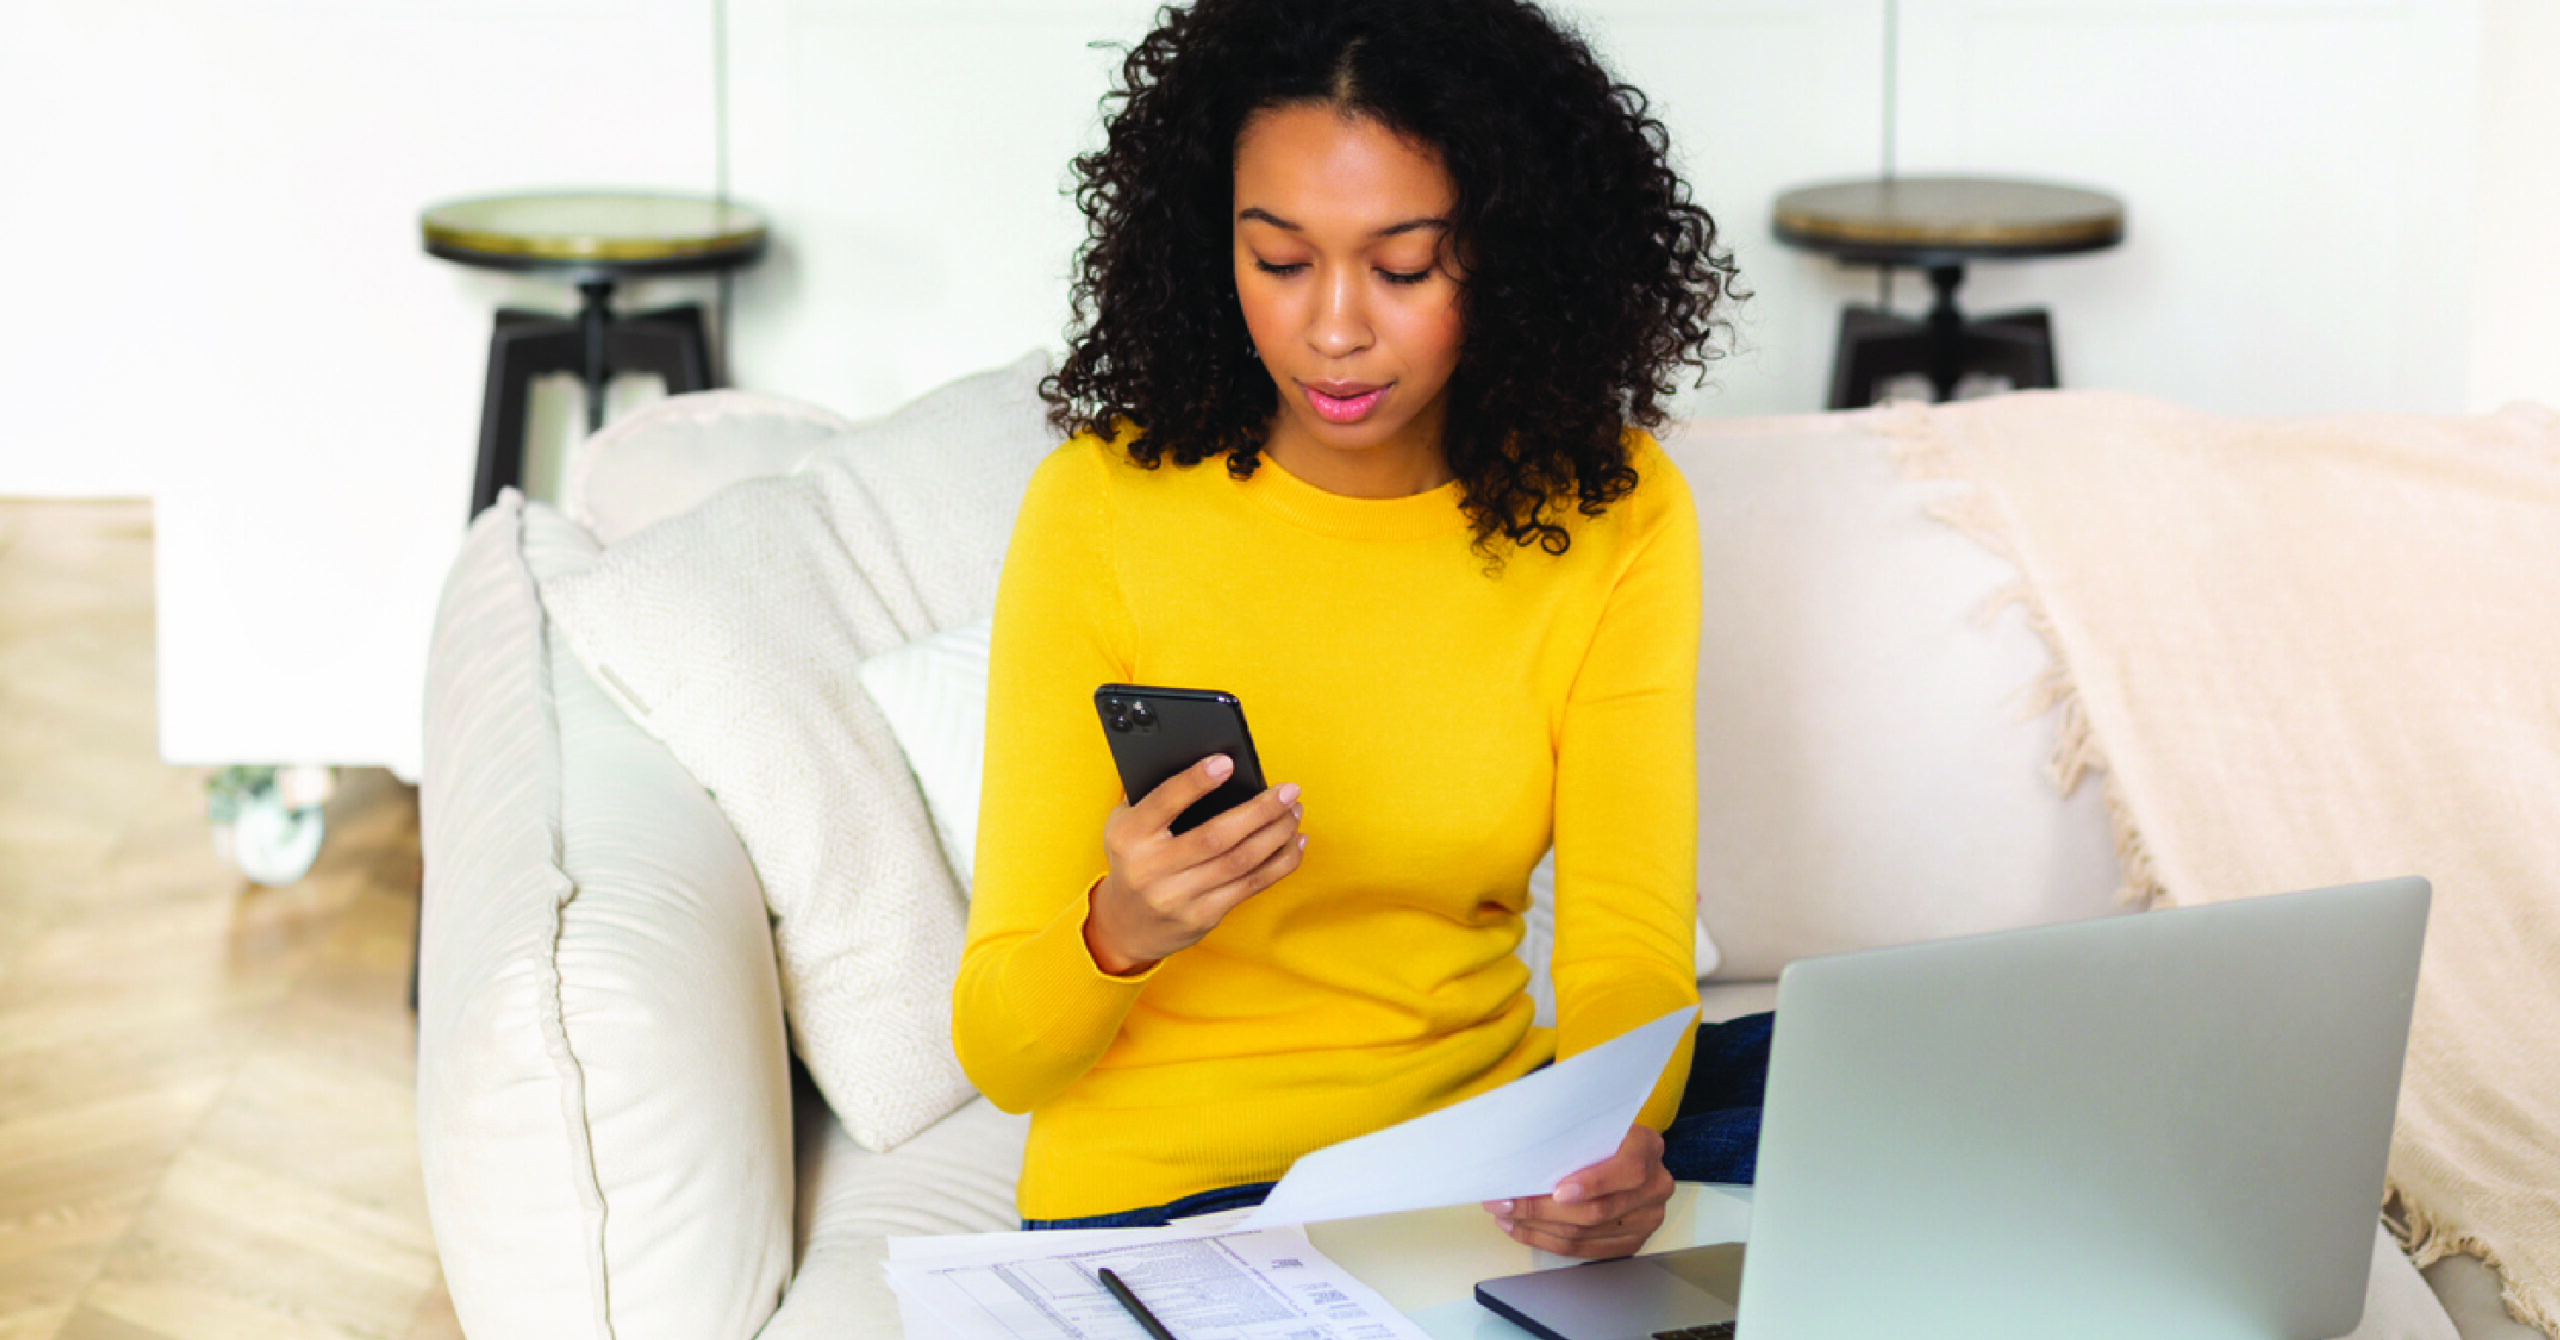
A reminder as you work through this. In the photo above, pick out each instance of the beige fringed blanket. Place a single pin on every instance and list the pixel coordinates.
(2317, 651)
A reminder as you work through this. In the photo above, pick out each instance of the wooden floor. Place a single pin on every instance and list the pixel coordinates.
(206, 1115)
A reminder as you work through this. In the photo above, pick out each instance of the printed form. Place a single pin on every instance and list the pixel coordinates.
(1267, 1284)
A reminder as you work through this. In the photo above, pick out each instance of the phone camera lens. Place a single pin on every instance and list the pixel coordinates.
(1141, 715)
(1115, 714)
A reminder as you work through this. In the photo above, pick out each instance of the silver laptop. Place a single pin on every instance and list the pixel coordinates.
(2171, 1124)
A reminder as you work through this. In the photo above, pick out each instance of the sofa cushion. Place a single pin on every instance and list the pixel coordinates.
(665, 459)
(1720, 1001)
(733, 633)
(956, 1177)
(602, 1085)
(1867, 771)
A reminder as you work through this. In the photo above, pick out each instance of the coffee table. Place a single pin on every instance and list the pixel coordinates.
(1426, 1262)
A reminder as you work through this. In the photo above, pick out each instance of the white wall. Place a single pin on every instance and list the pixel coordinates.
(944, 244)
(1760, 96)
(2298, 174)
(2515, 266)
(218, 298)
(916, 154)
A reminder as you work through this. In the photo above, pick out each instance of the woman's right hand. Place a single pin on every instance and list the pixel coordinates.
(1165, 891)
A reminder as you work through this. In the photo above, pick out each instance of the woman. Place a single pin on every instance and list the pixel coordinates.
(1416, 274)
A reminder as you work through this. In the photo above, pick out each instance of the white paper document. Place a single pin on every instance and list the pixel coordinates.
(1518, 1140)
(1236, 1284)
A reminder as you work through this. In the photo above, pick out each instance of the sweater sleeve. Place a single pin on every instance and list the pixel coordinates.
(1626, 826)
(1030, 1010)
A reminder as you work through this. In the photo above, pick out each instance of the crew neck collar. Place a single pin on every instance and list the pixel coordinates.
(1416, 516)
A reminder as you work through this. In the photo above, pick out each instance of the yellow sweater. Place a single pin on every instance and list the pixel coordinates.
(1445, 725)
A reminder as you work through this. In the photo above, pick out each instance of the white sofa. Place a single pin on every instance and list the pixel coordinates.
(612, 1138)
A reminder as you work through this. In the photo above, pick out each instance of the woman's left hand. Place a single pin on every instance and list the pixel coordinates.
(1605, 1210)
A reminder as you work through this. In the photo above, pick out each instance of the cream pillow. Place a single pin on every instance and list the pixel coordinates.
(733, 632)
(656, 463)
(934, 692)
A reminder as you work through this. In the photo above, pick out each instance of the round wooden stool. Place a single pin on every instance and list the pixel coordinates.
(1938, 224)
(593, 240)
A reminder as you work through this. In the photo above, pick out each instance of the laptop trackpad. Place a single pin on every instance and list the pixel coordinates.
(1622, 1300)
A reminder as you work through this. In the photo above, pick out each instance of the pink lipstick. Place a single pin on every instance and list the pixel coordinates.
(1343, 402)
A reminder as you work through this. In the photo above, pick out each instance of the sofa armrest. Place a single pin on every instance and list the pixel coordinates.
(664, 459)
(603, 1092)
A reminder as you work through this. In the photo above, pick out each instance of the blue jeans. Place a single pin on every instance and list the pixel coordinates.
(1715, 1137)
(1157, 1216)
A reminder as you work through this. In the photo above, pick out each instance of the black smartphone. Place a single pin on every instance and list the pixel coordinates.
(1156, 732)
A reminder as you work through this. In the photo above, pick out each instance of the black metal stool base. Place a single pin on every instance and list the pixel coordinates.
(1876, 347)
(594, 345)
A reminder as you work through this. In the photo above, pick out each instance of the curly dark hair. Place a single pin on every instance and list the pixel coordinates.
(1589, 277)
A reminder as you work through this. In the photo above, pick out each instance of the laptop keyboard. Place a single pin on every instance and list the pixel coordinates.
(1722, 1330)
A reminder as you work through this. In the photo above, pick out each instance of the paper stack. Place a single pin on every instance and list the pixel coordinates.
(1203, 1281)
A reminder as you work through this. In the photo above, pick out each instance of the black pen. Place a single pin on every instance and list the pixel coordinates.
(1130, 1301)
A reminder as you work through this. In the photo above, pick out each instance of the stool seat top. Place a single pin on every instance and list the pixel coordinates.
(608, 231)
(1932, 219)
